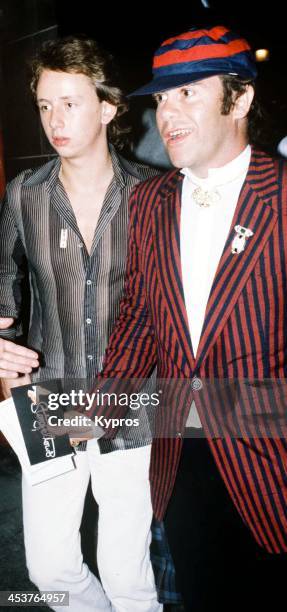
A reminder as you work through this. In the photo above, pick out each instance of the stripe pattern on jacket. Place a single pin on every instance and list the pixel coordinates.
(243, 337)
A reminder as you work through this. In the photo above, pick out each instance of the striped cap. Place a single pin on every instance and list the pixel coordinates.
(198, 54)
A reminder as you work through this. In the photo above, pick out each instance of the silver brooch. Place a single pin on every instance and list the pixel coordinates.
(205, 198)
(239, 241)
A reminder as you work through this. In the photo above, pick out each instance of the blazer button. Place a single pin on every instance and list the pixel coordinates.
(196, 384)
(178, 434)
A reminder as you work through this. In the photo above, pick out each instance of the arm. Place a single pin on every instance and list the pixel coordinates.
(14, 359)
(11, 265)
(131, 349)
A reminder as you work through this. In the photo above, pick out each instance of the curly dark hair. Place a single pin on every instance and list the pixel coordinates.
(233, 88)
(84, 56)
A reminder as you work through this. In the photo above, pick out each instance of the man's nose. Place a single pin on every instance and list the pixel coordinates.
(168, 109)
(56, 118)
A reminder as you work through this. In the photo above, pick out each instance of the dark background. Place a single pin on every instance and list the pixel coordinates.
(131, 32)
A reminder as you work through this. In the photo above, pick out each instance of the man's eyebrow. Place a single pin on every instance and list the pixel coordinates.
(74, 96)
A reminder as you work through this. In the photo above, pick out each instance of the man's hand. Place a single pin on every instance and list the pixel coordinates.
(85, 430)
(8, 384)
(15, 359)
(78, 426)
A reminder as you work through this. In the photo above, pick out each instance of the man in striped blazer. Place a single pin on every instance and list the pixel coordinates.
(205, 301)
(67, 221)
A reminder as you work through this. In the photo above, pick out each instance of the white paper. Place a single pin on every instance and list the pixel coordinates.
(10, 427)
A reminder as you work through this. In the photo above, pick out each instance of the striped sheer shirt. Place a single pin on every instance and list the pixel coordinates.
(74, 296)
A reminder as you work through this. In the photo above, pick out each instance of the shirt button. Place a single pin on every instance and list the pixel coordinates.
(89, 282)
(89, 321)
(196, 384)
(90, 357)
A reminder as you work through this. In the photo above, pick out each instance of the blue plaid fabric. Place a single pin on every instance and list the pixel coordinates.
(163, 567)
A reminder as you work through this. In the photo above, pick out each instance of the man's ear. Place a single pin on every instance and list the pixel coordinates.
(242, 104)
(108, 112)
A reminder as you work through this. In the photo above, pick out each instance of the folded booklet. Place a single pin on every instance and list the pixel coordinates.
(41, 456)
(33, 412)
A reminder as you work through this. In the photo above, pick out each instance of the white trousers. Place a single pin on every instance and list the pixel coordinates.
(52, 513)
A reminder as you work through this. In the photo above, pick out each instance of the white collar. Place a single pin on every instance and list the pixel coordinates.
(225, 174)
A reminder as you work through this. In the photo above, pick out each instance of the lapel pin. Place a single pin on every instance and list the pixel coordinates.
(63, 238)
(239, 241)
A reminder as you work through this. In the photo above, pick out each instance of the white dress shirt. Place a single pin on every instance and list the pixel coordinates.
(203, 233)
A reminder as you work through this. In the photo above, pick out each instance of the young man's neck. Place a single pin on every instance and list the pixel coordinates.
(85, 171)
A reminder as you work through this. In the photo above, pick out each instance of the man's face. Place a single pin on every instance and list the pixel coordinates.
(193, 129)
(73, 118)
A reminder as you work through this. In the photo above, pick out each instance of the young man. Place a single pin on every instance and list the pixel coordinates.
(205, 301)
(68, 220)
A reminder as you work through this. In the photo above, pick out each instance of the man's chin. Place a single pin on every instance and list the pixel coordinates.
(177, 157)
(179, 162)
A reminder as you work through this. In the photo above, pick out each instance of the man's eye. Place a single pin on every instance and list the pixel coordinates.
(188, 92)
(70, 104)
(159, 97)
(43, 108)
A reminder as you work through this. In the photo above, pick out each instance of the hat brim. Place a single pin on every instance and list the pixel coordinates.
(164, 83)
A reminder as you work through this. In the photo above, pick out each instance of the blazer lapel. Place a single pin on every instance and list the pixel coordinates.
(166, 233)
(257, 210)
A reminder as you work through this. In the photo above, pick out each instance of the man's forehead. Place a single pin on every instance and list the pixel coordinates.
(63, 75)
(68, 82)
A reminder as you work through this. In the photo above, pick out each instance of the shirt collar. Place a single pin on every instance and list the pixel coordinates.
(225, 174)
(118, 171)
(53, 177)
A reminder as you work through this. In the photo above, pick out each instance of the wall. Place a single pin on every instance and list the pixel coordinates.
(25, 24)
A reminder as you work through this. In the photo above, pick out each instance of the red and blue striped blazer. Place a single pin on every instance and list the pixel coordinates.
(244, 336)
